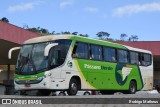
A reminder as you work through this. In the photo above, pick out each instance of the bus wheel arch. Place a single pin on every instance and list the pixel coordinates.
(74, 85)
(132, 86)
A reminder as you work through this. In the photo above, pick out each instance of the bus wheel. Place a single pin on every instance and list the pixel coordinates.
(132, 87)
(44, 92)
(62, 94)
(158, 88)
(73, 87)
(86, 93)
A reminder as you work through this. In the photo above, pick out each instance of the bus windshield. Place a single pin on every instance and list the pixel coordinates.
(31, 58)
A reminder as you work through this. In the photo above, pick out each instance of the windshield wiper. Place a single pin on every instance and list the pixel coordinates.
(31, 64)
(22, 61)
(25, 61)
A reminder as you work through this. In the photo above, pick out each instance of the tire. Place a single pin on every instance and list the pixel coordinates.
(44, 92)
(87, 93)
(73, 87)
(132, 87)
(62, 94)
(158, 88)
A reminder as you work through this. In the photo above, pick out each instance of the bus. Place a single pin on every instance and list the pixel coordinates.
(71, 63)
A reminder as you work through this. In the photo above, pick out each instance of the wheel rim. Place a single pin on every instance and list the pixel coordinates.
(86, 93)
(132, 88)
(73, 87)
(62, 94)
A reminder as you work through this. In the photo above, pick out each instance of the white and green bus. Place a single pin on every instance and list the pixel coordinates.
(71, 63)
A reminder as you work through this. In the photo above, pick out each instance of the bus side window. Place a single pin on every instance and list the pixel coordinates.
(145, 59)
(96, 52)
(80, 51)
(109, 54)
(123, 56)
(134, 58)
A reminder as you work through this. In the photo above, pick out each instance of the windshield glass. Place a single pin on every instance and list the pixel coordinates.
(31, 58)
(39, 60)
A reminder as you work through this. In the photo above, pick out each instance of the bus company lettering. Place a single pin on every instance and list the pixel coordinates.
(97, 67)
(92, 66)
(106, 68)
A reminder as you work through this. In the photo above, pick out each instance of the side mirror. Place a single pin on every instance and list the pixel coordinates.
(10, 51)
(48, 47)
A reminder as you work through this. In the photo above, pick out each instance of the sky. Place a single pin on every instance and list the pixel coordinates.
(132, 17)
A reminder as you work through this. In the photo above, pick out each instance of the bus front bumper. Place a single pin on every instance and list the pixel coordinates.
(47, 83)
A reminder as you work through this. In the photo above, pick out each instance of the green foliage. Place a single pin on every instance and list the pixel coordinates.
(39, 30)
(74, 33)
(86, 35)
(133, 38)
(103, 35)
(4, 19)
(123, 36)
(66, 32)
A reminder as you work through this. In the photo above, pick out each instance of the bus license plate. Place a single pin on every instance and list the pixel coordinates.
(27, 85)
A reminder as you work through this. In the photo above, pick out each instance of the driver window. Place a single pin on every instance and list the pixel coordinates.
(58, 55)
(54, 58)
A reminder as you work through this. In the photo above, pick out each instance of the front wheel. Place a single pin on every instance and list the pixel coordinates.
(132, 87)
(73, 87)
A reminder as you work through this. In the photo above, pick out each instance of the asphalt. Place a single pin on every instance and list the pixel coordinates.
(140, 99)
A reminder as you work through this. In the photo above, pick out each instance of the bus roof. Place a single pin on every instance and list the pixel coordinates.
(47, 38)
(82, 39)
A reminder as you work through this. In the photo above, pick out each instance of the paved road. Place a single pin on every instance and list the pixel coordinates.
(140, 97)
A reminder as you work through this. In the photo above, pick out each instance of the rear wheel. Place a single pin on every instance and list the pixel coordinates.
(73, 87)
(158, 88)
(132, 87)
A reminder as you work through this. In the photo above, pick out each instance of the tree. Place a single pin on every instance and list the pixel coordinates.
(66, 32)
(129, 39)
(86, 35)
(123, 36)
(4, 19)
(25, 27)
(74, 33)
(103, 35)
(133, 38)
(45, 31)
(53, 32)
(39, 30)
(33, 29)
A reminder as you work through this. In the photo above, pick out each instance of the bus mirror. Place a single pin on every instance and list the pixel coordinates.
(48, 47)
(10, 51)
